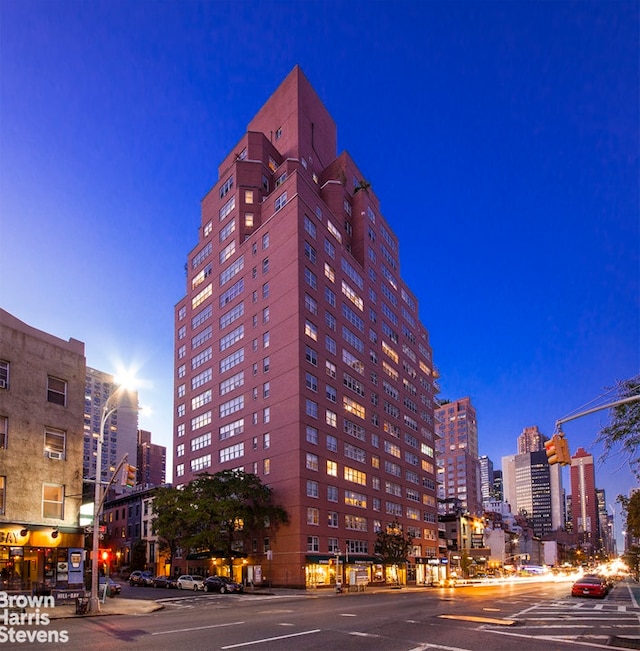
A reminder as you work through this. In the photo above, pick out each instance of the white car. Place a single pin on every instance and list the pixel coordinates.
(190, 582)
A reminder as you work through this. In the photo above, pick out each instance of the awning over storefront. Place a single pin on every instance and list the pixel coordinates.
(349, 559)
(208, 555)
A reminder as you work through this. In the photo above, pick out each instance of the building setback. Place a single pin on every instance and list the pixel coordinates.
(300, 356)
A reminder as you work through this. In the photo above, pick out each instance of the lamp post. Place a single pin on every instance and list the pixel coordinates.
(107, 412)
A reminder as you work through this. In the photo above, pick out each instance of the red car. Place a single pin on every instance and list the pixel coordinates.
(589, 586)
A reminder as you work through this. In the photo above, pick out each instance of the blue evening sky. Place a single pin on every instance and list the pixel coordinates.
(501, 138)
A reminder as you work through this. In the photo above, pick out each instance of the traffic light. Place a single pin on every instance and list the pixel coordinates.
(105, 555)
(562, 446)
(551, 448)
(128, 475)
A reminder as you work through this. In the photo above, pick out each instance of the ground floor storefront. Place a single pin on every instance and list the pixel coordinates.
(37, 557)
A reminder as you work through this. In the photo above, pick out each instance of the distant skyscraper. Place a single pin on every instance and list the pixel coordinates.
(458, 465)
(497, 492)
(584, 501)
(486, 478)
(531, 440)
(152, 461)
(534, 488)
(121, 431)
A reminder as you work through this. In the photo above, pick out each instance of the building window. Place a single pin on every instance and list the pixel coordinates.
(310, 278)
(248, 219)
(310, 227)
(4, 432)
(332, 493)
(311, 356)
(312, 435)
(232, 452)
(54, 443)
(56, 391)
(53, 501)
(311, 408)
(312, 488)
(248, 196)
(311, 382)
(312, 461)
(280, 202)
(310, 330)
(313, 516)
(3, 490)
(313, 543)
(332, 519)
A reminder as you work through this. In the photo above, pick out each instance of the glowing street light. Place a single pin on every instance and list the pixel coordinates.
(107, 412)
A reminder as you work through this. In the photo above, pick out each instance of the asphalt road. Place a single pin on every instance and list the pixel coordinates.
(527, 617)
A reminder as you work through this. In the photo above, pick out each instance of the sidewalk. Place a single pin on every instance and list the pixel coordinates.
(112, 606)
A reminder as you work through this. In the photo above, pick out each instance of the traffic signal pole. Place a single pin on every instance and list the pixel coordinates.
(558, 447)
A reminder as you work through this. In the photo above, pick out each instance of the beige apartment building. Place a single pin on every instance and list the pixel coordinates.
(42, 382)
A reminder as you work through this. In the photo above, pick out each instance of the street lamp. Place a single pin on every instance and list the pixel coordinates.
(107, 412)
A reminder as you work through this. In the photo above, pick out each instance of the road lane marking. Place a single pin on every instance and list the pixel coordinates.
(270, 639)
(196, 628)
(481, 620)
(552, 638)
(426, 645)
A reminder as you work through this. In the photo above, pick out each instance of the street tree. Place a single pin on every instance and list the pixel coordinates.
(393, 545)
(631, 507)
(169, 509)
(139, 555)
(623, 430)
(227, 508)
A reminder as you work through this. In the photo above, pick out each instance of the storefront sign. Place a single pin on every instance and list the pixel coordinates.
(12, 537)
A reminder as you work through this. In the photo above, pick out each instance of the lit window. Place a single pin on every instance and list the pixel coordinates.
(53, 501)
(248, 196)
(248, 219)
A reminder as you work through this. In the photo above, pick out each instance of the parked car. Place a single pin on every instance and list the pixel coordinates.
(190, 582)
(221, 584)
(140, 578)
(590, 586)
(114, 588)
(162, 581)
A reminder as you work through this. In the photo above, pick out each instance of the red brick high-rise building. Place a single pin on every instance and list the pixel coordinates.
(300, 355)
(584, 501)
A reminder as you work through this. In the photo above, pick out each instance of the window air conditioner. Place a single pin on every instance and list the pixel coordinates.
(56, 455)
(3, 384)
